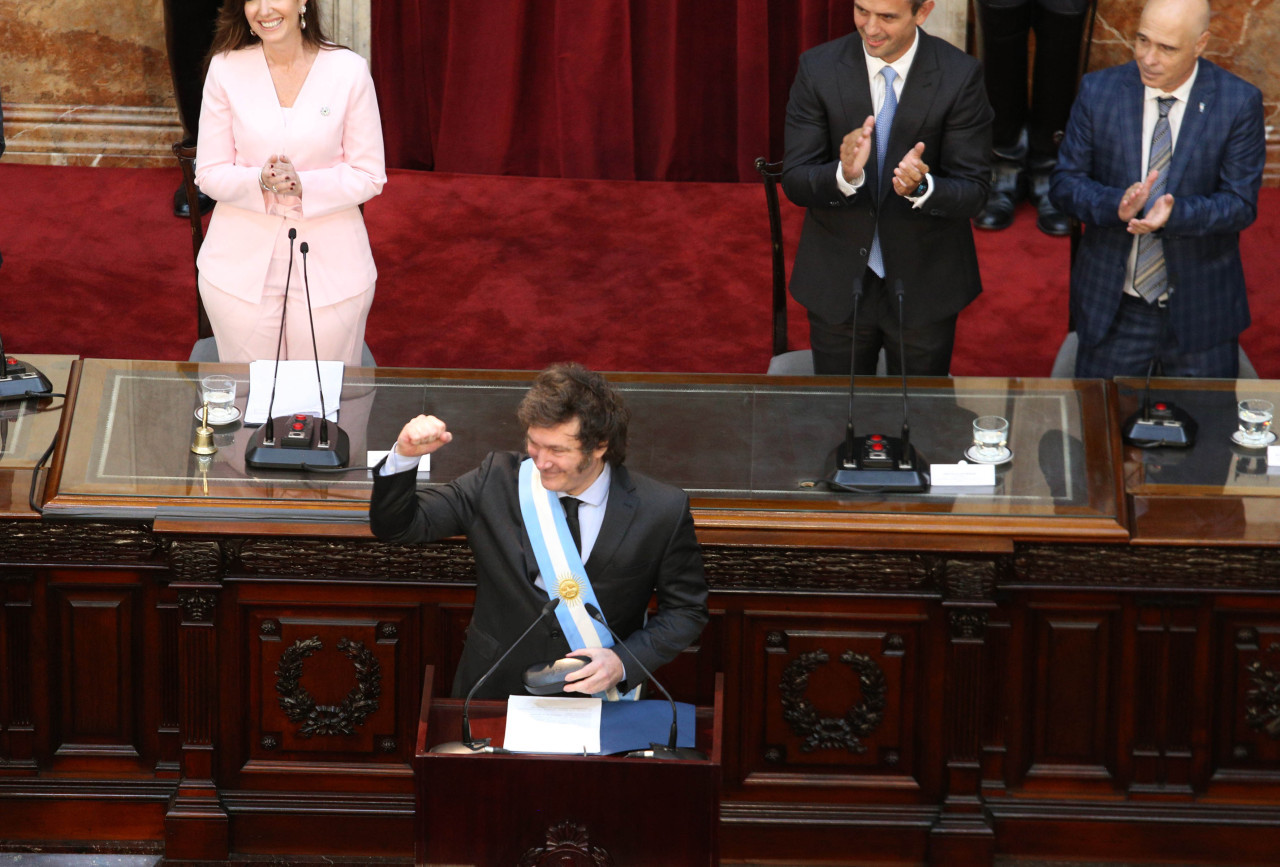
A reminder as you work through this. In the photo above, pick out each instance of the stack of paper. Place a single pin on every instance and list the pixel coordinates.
(295, 389)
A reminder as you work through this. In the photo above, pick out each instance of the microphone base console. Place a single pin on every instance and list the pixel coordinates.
(1165, 426)
(19, 378)
(296, 443)
(880, 463)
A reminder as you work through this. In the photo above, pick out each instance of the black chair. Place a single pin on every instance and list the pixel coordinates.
(784, 362)
(185, 151)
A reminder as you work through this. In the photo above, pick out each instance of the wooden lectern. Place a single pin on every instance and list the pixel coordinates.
(532, 810)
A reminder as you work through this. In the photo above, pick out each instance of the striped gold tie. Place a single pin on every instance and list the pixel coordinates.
(1150, 277)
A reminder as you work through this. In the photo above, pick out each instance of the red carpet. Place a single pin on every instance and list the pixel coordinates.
(501, 272)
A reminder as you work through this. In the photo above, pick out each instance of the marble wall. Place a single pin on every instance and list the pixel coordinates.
(88, 83)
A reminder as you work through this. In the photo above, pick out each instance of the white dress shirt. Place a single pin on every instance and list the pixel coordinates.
(901, 66)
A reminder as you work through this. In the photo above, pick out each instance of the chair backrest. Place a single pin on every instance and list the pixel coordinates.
(185, 151)
(769, 174)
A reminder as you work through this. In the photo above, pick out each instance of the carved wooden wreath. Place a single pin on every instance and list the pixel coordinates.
(326, 719)
(1262, 704)
(832, 732)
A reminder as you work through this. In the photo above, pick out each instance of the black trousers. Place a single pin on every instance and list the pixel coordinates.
(927, 349)
(1044, 107)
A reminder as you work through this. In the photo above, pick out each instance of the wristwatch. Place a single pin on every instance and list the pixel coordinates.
(921, 189)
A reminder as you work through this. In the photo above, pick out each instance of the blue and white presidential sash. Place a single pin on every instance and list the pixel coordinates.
(560, 563)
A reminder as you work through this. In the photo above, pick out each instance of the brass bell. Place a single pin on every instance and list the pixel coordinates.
(203, 443)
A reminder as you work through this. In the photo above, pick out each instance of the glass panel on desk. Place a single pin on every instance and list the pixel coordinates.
(739, 442)
(28, 426)
(1214, 464)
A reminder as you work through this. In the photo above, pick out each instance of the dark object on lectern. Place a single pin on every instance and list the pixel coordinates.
(670, 750)
(296, 442)
(548, 678)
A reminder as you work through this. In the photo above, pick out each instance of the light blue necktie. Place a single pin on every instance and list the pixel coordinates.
(884, 123)
(1150, 276)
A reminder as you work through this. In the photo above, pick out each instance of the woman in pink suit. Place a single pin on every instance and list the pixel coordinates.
(290, 138)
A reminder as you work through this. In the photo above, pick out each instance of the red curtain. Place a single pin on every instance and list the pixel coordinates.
(671, 90)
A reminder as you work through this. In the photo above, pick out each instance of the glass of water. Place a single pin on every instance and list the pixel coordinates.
(990, 436)
(219, 392)
(1255, 417)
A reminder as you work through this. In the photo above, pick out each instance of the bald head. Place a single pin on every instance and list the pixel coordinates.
(1172, 34)
(1190, 14)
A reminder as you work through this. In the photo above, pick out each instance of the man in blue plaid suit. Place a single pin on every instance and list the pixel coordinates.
(1162, 160)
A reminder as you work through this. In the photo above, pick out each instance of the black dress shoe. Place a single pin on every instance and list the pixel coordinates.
(998, 214)
(1008, 187)
(1049, 219)
(182, 209)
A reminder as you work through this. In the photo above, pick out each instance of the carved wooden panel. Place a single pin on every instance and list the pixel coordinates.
(1168, 695)
(841, 699)
(17, 713)
(1247, 670)
(326, 681)
(96, 652)
(1070, 706)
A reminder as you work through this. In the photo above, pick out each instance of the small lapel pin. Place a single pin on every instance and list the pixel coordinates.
(324, 110)
(1202, 108)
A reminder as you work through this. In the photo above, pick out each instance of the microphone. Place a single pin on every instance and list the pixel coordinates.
(656, 751)
(19, 380)
(304, 442)
(467, 745)
(1162, 423)
(877, 462)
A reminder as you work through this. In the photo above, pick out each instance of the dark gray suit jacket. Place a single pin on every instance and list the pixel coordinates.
(943, 104)
(1214, 178)
(646, 545)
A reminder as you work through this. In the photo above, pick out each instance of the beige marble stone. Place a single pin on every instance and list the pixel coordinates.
(348, 22)
(949, 20)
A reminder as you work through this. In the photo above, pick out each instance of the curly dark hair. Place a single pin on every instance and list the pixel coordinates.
(233, 31)
(568, 390)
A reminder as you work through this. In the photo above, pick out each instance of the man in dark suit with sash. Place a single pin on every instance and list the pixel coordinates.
(1162, 161)
(889, 148)
(571, 508)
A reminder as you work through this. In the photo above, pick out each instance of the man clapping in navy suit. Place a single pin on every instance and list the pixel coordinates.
(1162, 160)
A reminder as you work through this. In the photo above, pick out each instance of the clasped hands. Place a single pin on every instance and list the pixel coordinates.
(280, 177)
(855, 150)
(1135, 197)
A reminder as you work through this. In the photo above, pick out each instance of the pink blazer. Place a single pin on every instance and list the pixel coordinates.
(333, 135)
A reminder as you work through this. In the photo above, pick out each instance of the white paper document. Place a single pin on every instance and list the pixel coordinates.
(295, 387)
(949, 475)
(552, 724)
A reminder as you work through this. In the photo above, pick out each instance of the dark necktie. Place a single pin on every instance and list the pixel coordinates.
(1150, 277)
(570, 505)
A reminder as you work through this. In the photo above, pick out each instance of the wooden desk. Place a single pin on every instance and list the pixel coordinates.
(910, 678)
